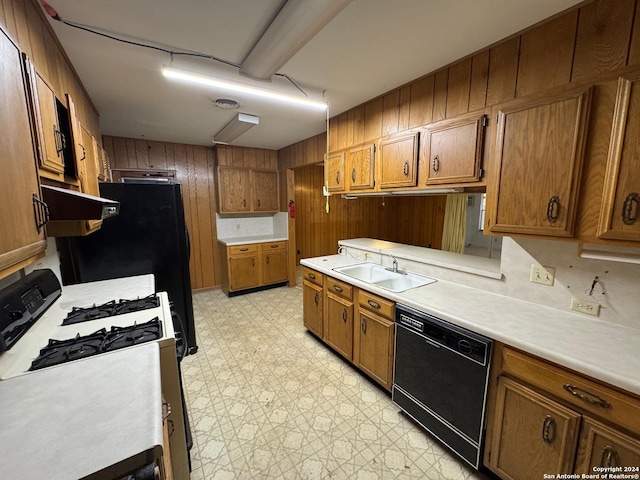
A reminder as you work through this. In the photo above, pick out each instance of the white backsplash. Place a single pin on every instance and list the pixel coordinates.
(251, 226)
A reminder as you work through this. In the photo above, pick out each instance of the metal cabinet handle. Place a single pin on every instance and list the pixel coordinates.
(586, 396)
(312, 276)
(436, 164)
(344, 315)
(363, 325)
(629, 213)
(316, 299)
(373, 304)
(244, 249)
(84, 152)
(63, 141)
(338, 288)
(276, 246)
(253, 262)
(406, 168)
(338, 177)
(258, 202)
(267, 259)
(244, 202)
(353, 175)
(610, 457)
(548, 429)
(40, 212)
(168, 407)
(553, 209)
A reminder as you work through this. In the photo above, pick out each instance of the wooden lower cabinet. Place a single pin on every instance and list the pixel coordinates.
(533, 435)
(339, 324)
(254, 265)
(355, 323)
(603, 446)
(544, 419)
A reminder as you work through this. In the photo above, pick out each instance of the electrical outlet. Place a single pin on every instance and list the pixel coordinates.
(585, 306)
(542, 275)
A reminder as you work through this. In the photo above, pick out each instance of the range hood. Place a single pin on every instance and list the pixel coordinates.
(67, 204)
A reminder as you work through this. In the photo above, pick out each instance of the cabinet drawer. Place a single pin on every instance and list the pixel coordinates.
(313, 276)
(273, 246)
(378, 305)
(242, 249)
(339, 288)
(574, 389)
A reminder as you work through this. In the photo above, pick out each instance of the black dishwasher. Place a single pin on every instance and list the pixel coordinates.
(440, 379)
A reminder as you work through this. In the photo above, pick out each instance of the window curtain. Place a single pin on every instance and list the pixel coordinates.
(455, 223)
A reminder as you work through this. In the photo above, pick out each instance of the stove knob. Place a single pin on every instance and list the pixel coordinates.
(15, 315)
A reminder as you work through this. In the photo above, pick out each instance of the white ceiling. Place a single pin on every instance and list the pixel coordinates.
(372, 46)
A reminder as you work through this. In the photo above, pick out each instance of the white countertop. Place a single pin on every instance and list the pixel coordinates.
(232, 241)
(83, 417)
(602, 350)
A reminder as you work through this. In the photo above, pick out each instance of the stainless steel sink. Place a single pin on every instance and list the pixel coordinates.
(381, 277)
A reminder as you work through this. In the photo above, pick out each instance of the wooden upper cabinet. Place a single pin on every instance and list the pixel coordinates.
(22, 240)
(399, 161)
(50, 138)
(455, 150)
(361, 163)
(334, 173)
(533, 434)
(234, 189)
(620, 209)
(265, 190)
(537, 164)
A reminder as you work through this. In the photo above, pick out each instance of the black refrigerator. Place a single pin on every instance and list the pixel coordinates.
(149, 235)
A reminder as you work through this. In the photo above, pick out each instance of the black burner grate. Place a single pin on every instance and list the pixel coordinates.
(109, 309)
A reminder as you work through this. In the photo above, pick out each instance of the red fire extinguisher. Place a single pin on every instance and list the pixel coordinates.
(292, 209)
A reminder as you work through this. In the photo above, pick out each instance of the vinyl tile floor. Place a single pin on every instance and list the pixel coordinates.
(267, 400)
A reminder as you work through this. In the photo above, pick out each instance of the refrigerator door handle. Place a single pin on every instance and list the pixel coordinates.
(186, 231)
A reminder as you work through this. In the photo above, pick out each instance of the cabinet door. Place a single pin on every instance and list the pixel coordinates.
(339, 326)
(621, 198)
(21, 239)
(88, 169)
(455, 150)
(537, 165)
(312, 307)
(243, 272)
(274, 267)
(265, 190)
(234, 189)
(603, 446)
(334, 173)
(375, 347)
(399, 161)
(361, 165)
(50, 139)
(533, 435)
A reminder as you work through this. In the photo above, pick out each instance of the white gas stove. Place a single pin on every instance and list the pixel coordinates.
(18, 359)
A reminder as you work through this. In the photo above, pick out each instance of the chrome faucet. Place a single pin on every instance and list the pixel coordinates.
(394, 266)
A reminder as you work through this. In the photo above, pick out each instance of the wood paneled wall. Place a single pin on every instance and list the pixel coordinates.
(25, 23)
(194, 166)
(411, 220)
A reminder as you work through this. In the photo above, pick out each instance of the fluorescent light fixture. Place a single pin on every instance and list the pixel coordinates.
(193, 77)
(428, 191)
(236, 127)
(297, 22)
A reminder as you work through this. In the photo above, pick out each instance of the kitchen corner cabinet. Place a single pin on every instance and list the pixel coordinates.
(21, 214)
(621, 197)
(374, 337)
(537, 164)
(334, 174)
(398, 163)
(243, 190)
(361, 162)
(454, 150)
(313, 301)
(254, 265)
(546, 419)
(338, 325)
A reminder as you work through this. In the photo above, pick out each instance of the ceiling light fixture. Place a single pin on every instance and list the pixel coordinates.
(239, 124)
(297, 22)
(193, 77)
